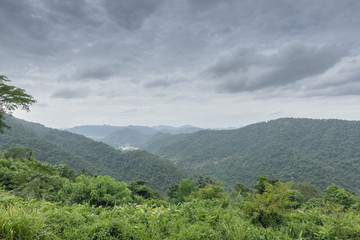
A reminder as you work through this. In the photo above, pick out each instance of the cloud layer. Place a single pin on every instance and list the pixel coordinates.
(160, 56)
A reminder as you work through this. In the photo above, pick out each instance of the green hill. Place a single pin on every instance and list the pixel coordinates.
(304, 150)
(78, 152)
(125, 136)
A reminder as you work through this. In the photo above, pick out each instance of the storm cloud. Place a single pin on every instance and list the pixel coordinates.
(68, 93)
(168, 59)
(245, 70)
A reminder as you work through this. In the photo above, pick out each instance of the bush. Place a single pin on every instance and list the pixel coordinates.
(99, 191)
(270, 208)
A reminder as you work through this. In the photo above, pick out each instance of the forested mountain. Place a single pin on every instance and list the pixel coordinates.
(78, 152)
(304, 150)
(176, 130)
(125, 136)
(161, 140)
(132, 135)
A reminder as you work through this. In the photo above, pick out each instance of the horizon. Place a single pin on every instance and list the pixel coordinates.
(186, 125)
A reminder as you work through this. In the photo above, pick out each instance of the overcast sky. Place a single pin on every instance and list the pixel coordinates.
(208, 63)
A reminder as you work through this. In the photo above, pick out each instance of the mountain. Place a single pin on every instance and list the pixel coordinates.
(161, 140)
(78, 152)
(303, 150)
(100, 132)
(94, 132)
(177, 130)
(127, 135)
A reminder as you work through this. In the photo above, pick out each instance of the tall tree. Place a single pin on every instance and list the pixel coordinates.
(12, 98)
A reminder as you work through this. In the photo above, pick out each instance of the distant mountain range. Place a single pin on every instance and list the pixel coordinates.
(79, 152)
(321, 152)
(133, 135)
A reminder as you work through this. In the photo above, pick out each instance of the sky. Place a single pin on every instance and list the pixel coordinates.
(207, 63)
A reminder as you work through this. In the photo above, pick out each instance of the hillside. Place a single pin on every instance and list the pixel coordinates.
(44, 201)
(78, 152)
(304, 150)
(125, 136)
(161, 140)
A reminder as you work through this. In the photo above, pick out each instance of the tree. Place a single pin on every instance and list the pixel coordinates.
(178, 192)
(212, 191)
(203, 182)
(12, 98)
(307, 190)
(261, 183)
(339, 195)
(139, 188)
(186, 187)
(96, 191)
(272, 207)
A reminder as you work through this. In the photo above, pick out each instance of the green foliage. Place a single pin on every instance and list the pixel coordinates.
(65, 172)
(20, 220)
(12, 98)
(78, 152)
(241, 189)
(180, 192)
(211, 191)
(203, 182)
(308, 190)
(263, 181)
(139, 189)
(271, 207)
(186, 187)
(338, 195)
(19, 152)
(295, 197)
(301, 150)
(99, 191)
(29, 178)
(313, 203)
(266, 216)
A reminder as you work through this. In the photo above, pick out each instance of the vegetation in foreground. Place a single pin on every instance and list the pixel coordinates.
(42, 201)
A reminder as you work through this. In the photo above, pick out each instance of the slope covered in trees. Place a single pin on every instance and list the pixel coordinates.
(78, 152)
(316, 151)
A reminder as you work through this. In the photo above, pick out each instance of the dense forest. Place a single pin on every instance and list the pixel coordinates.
(303, 150)
(81, 153)
(283, 179)
(320, 152)
(44, 201)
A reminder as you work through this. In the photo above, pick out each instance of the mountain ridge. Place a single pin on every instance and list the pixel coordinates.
(78, 152)
(313, 150)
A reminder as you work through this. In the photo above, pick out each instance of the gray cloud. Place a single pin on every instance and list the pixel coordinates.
(164, 82)
(67, 93)
(70, 13)
(246, 70)
(99, 72)
(238, 60)
(91, 70)
(130, 14)
(21, 26)
(182, 51)
(341, 80)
